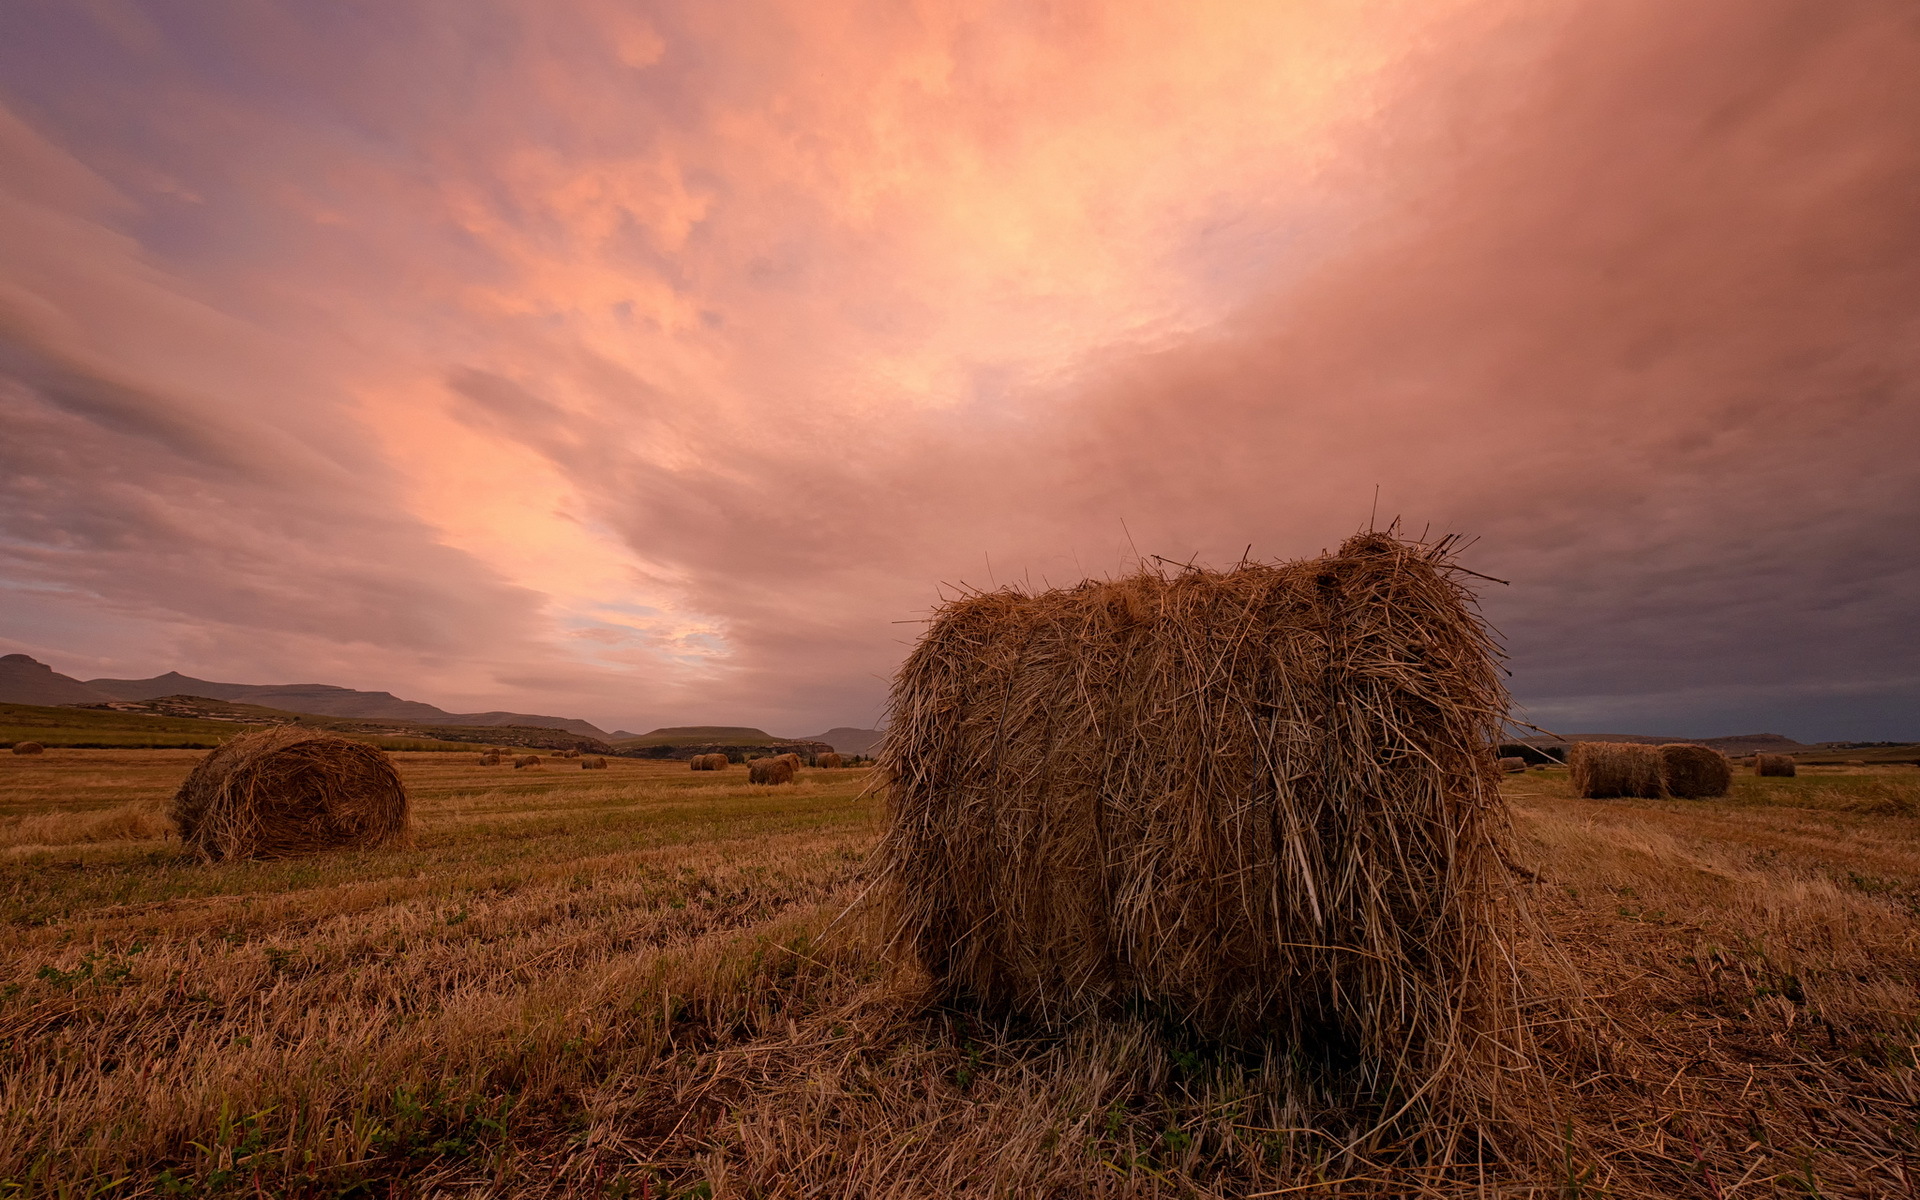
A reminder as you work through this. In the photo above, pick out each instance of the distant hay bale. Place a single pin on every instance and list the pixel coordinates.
(1856, 762)
(830, 760)
(1615, 770)
(708, 762)
(571, 754)
(489, 760)
(593, 764)
(289, 790)
(29, 748)
(771, 770)
(526, 760)
(1511, 765)
(1253, 801)
(1774, 764)
(1695, 772)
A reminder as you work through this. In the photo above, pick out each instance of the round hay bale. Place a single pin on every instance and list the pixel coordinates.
(29, 748)
(1774, 764)
(829, 760)
(593, 764)
(526, 760)
(1613, 770)
(1512, 766)
(1254, 801)
(571, 754)
(704, 762)
(489, 760)
(1695, 772)
(290, 790)
(1856, 762)
(771, 770)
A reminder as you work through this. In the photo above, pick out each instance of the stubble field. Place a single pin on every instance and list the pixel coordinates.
(653, 982)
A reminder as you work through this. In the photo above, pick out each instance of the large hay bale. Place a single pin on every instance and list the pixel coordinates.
(1694, 772)
(830, 760)
(593, 764)
(1256, 800)
(1511, 765)
(29, 748)
(779, 769)
(1774, 764)
(289, 790)
(1612, 770)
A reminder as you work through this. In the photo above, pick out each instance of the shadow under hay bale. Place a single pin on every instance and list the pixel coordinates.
(1774, 764)
(1511, 766)
(1257, 801)
(595, 763)
(29, 748)
(1695, 772)
(290, 790)
(779, 769)
(1616, 770)
(830, 760)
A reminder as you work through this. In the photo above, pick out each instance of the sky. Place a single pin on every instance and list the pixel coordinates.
(663, 363)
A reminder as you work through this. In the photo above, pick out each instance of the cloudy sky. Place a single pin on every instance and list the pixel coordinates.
(648, 362)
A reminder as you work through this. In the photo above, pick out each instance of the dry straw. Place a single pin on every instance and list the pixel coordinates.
(289, 790)
(1257, 801)
(1773, 764)
(593, 764)
(1613, 770)
(1694, 772)
(779, 769)
(830, 760)
(29, 748)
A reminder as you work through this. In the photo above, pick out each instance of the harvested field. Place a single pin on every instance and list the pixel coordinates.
(639, 981)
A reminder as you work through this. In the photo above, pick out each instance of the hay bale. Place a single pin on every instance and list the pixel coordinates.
(526, 760)
(29, 748)
(708, 762)
(593, 764)
(1255, 800)
(571, 754)
(1511, 765)
(1694, 772)
(779, 769)
(289, 790)
(489, 759)
(1611, 770)
(830, 760)
(1774, 764)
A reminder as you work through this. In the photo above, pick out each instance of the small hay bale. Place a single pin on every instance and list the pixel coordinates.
(289, 790)
(1694, 772)
(771, 770)
(707, 762)
(1774, 764)
(1512, 766)
(571, 754)
(1613, 770)
(526, 760)
(489, 760)
(593, 764)
(1255, 801)
(29, 748)
(830, 760)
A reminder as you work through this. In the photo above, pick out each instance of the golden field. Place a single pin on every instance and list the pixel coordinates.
(647, 981)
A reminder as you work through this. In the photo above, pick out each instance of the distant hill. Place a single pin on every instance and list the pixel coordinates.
(25, 680)
(702, 735)
(1736, 745)
(125, 728)
(850, 741)
(320, 699)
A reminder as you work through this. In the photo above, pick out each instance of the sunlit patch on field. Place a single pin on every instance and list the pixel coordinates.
(590, 983)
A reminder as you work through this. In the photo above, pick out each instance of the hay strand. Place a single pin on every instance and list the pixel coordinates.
(290, 790)
(1694, 772)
